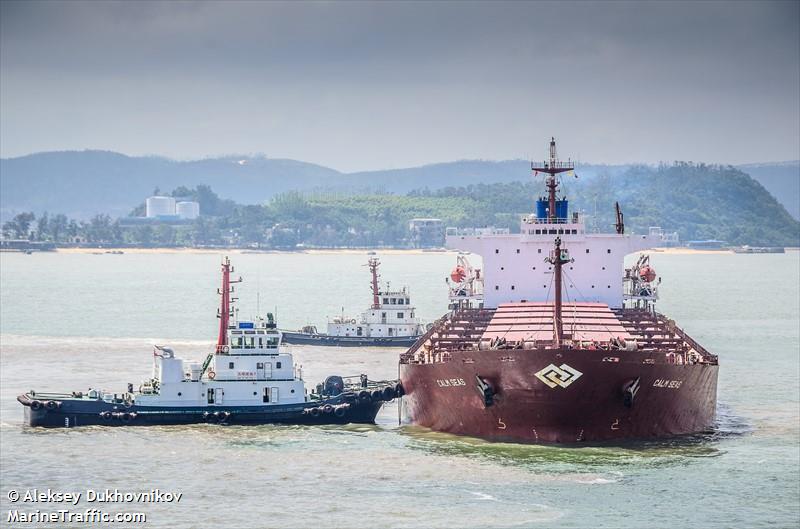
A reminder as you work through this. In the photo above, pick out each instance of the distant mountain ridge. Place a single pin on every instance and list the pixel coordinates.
(83, 183)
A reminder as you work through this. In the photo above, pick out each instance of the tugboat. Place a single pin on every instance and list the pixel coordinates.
(515, 361)
(248, 379)
(389, 322)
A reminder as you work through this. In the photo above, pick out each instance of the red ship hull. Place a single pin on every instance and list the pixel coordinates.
(586, 403)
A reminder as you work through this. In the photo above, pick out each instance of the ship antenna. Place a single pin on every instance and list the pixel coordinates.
(557, 258)
(552, 168)
(373, 265)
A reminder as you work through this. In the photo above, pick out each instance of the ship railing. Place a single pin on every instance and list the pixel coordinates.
(479, 232)
(544, 166)
(436, 327)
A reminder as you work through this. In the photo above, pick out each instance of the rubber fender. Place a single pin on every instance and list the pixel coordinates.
(51, 405)
(363, 395)
(399, 390)
(327, 408)
(388, 393)
(340, 411)
(315, 412)
(377, 395)
(36, 405)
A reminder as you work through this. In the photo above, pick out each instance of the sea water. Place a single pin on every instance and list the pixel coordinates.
(74, 321)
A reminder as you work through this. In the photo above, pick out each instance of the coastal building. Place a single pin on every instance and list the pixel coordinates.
(158, 206)
(426, 232)
(187, 210)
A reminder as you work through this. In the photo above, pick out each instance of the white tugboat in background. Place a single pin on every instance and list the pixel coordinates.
(249, 378)
(389, 322)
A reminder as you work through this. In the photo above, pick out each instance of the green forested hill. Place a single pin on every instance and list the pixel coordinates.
(697, 201)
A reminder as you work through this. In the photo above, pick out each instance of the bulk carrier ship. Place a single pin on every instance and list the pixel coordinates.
(555, 341)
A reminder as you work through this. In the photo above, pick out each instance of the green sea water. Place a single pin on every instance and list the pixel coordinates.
(71, 321)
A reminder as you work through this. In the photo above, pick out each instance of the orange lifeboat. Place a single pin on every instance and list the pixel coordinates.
(647, 274)
(458, 274)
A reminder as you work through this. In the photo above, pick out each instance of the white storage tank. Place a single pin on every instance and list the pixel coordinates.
(160, 207)
(187, 210)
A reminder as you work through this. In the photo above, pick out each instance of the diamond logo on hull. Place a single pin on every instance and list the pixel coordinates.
(563, 376)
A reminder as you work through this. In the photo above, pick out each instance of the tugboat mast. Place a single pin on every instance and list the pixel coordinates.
(226, 301)
(373, 264)
(557, 258)
(553, 167)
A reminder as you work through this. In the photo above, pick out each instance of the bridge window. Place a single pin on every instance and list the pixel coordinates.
(552, 232)
(400, 301)
(574, 232)
(394, 301)
(385, 301)
(538, 232)
(400, 315)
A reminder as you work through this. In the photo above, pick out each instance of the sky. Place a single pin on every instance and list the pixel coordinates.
(377, 85)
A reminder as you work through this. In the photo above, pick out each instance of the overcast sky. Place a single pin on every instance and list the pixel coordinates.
(379, 85)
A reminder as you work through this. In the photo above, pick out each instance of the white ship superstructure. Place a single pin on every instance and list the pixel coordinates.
(252, 370)
(514, 269)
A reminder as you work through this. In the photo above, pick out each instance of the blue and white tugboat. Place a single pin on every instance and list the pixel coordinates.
(248, 379)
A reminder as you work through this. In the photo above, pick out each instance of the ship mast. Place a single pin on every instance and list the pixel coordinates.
(557, 258)
(553, 167)
(226, 303)
(373, 264)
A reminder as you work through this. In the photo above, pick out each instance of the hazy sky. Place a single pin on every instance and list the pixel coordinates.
(362, 85)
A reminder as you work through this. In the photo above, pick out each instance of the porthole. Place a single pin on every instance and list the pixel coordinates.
(179, 393)
(292, 391)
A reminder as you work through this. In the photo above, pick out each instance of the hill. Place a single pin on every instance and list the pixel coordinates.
(780, 179)
(84, 183)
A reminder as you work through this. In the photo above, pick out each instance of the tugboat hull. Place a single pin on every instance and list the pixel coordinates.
(300, 338)
(583, 401)
(70, 412)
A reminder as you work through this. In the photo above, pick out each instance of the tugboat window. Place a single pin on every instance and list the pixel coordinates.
(260, 365)
(399, 314)
(230, 365)
(400, 301)
(277, 365)
(385, 301)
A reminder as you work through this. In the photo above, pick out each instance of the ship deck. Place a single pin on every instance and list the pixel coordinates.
(529, 326)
